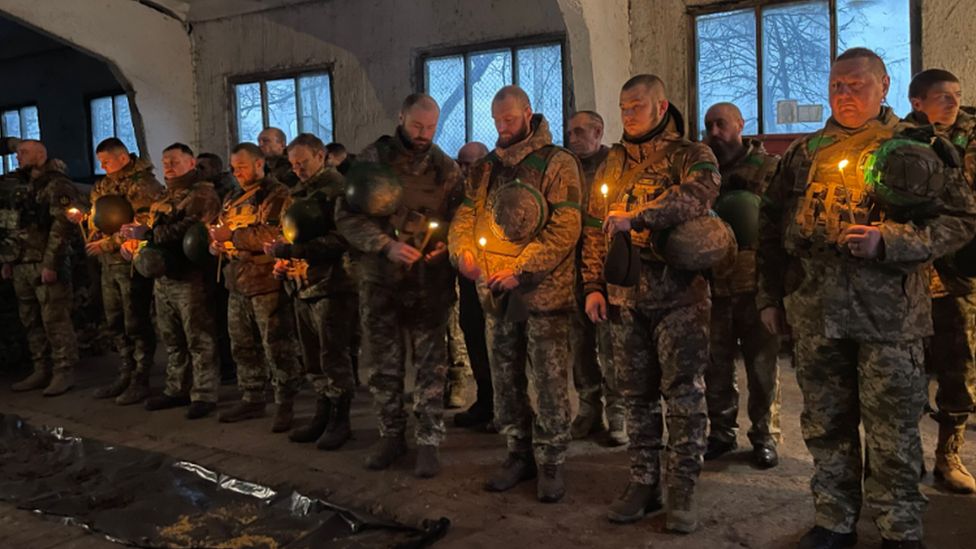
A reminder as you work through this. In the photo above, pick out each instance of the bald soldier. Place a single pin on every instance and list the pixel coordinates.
(272, 142)
(405, 281)
(656, 180)
(593, 367)
(746, 170)
(848, 267)
(524, 267)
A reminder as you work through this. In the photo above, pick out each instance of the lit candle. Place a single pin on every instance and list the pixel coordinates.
(431, 228)
(81, 223)
(482, 243)
(843, 181)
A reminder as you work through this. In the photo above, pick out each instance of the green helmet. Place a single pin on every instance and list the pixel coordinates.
(740, 209)
(150, 262)
(517, 212)
(373, 189)
(304, 220)
(904, 175)
(697, 245)
(196, 244)
(111, 212)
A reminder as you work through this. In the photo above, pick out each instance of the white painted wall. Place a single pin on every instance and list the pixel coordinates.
(149, 52)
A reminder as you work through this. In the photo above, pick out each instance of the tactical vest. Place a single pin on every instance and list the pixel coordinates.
(241, 211)
(424, 195)
(17, 209)
(509, 205)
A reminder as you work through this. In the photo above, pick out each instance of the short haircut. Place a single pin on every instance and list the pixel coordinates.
(649, 81)
(419, 99)
(307, 140)
(335, 148)
(594, 117)
(877, 64)
(513, 91)
(249, 148)
(923, 82)
(113, 145)
(727, 105)
(183, 148)
(279, 135)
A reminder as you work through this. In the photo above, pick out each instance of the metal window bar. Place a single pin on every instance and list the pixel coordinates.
(299, 122)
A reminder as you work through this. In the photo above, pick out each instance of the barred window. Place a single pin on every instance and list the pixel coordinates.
(111, 116)
(464, 83)
(300, 103)
(21, 122)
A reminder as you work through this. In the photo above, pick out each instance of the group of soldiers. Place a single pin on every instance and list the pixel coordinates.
(607, 261)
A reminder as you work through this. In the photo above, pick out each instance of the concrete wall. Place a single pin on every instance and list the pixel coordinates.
(948, 41)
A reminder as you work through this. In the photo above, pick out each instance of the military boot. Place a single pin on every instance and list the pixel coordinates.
(38, 380)
(428, 463)
(454, 389)
(61, 383)
(284, 414)
(682, 510)
(339, 428)
(637, 501)
(114, 389)
(516, 468)
(589, 419)
(136, 392)
(948, 466)
(242, 411)
(617, 436)
(315, 427)
(385, 452)
(550, 487)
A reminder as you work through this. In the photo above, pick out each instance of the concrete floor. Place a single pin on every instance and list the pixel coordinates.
(740, 506)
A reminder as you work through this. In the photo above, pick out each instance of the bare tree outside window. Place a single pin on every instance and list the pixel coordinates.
(22, 123)
(296, 104)
(111, 116)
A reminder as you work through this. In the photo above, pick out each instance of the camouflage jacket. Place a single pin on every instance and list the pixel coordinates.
(546, 266)
(139, 186)
(254, 216)
(686, 177)
(750, 171)
(46, 233)
(590, 165)
(187, 200)
(945, 280)
(432, 192)
(825, 290)
(279, 168)
(326, 261)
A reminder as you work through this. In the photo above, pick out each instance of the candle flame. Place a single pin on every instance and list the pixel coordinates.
(434, 224)
(604, 190)
(482, 242)
(842, 164)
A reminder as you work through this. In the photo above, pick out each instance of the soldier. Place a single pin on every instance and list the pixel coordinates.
(39, 268)
(661, 326)
(593, 372)
(211, 169)
(935, 95)
(324, 294)
(336, 154)
(524, 268)
(261, 318)
(746, 170)
(402, 281)
(272, 142)
(850, 270)
(471, 345)
(126, 295)
(183, 306)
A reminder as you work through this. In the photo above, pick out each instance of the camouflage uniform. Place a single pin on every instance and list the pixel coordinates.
(279, 168)
(400, 306)
(660, 327)
(736, 326)
(260, 315)
(325, 296)
(859, 323)
(126, 295)
(184, 311)
(42, 241)
(531, 355)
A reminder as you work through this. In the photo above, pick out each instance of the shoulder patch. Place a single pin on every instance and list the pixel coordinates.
(818, 141)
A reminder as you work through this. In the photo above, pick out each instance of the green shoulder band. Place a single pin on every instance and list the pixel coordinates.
(567, 204)
(703, 166)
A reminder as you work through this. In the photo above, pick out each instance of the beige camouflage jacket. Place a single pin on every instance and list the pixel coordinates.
(827, 291)
(47, 237)
(254, 215)
(139, 186)
(187, 201)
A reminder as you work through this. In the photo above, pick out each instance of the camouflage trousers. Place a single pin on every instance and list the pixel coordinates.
(325, 330)
(666, 354)
(950, 357)
(127, 298)
(736, 327)
(594, 371)
(262, 333)
(45, 314)
(458, 364)
(882, 387)
(529, 372)
(186, 324)
(394, 323)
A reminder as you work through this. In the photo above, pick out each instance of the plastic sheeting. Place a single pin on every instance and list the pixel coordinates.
(147, 499)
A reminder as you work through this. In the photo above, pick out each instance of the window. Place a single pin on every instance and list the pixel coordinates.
(296, 104)
(111, 117)
(772, 59)
(22, 123)
(464, 84)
